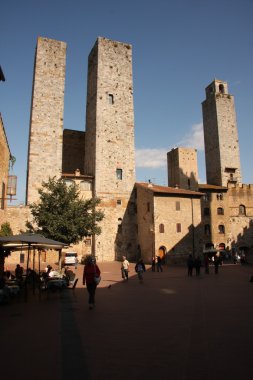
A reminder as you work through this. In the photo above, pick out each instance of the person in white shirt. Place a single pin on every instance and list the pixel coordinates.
(124, 268)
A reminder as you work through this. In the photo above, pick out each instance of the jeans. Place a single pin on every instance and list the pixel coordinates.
(140, 277)
(124, 273)
(91, 288)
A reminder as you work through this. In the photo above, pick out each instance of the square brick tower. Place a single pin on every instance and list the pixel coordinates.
(46, 121)
(109, 145)
(183, 168)
(221, 136)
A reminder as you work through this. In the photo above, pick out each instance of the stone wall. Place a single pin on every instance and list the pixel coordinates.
(4, 169)
(73, 151)
(159, 217)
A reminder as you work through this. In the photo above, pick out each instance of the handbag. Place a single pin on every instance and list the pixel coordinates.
(97, 279)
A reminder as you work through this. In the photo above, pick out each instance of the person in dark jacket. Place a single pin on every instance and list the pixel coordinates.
(159, 264)
(190, 265)
(197, 264)
(90, 271)
(139, 269)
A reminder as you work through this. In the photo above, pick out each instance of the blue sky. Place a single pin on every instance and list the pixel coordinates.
(179, 47)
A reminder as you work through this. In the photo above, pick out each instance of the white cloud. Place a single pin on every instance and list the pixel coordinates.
(151, 158)
(157, 157)
(195, 138)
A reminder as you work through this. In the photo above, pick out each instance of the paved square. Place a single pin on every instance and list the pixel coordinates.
(170, 327)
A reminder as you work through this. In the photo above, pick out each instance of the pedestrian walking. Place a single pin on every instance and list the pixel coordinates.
(139, 269)
(159, 264)
(190, 265)
(216, 264)
(91, 270)
(76, 262)
(206, 262)
(197, 264)
(124, 268)
(153, 263)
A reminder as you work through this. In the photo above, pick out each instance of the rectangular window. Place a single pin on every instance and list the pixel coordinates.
(118, 202)
(177, 206)
(22, 258)
(178, 227)
(88, 242)
(148, 206)
(119, 174)
(110, 99)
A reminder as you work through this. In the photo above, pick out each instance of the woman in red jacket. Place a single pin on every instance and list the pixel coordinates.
(91, 270)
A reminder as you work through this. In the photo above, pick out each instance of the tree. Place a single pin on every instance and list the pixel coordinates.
(5, 230)
(62, 215)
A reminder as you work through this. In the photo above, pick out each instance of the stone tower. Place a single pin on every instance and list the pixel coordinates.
(109, 145)
(183, 168)
(46, 121)
(221, 136)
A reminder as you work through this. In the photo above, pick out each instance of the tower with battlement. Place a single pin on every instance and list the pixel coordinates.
(221, 136)
(46, 120)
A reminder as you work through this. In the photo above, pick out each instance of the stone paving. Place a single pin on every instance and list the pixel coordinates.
(170, 327)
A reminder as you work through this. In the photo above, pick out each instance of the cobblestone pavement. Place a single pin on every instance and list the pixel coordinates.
(170, 327)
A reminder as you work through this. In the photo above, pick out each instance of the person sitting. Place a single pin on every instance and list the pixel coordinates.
(19, 272)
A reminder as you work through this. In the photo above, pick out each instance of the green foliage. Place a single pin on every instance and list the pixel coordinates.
(61, 214)
(5, 229)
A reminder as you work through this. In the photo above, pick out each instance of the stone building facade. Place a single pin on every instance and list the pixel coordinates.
(169, 221)
(141, 219)
(5, 156)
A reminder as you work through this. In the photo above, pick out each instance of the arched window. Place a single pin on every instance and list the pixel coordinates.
(221, 89)
(207, 229)
(119, 225)
(161, 228)
(242, 210)
(221, 229)
(220, 211)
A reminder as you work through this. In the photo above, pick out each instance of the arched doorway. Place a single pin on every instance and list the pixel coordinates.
(162, 253)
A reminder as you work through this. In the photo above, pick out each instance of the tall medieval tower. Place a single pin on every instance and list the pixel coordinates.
(221, 136)
(46, 121)
(183, 168)
(109, 145)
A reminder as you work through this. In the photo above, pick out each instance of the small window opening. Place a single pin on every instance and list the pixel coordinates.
(178, 227)
(110, 98)
(220, 211)
(161, 228)
(119, 174)
(221, 89)
(242, 210)
(221, 229)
